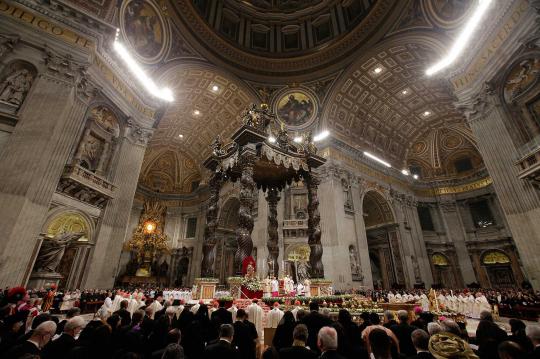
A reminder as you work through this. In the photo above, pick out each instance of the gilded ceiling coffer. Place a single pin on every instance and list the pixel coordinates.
(263, 156)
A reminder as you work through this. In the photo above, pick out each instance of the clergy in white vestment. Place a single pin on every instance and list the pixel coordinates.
(391, 297)
(442, 300)
(255, 315)
(470, 305)
(274, 316)
(484, 303)
(275, 287)
(477, 307)
(300, 289)
(398, 298)
(425, 302)
(133, 303)
(307, 288)
(195, 307)
(267, 287)
(156, 306)
(118, 297)
(233, 310)
(296, 309)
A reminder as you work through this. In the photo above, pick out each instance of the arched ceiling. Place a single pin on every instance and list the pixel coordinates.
(376, 210)
(438, 151)
(384, 102)
(207, 103)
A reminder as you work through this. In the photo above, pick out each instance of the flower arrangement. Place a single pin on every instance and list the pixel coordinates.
(251, 283)
(222, 294)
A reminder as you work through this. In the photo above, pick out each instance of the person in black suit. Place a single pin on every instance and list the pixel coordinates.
(123, 313)
(420, 340)
(60, 347)
(510, 350)
(222, 348)
(71, 313)
(41, 335)
(403, 332)
(517, 327)
(488, 336)
(219, 317)
(533, 332)
(314, 321)
(327, 341)
(147, 323)
(298, 349)
(245, 336)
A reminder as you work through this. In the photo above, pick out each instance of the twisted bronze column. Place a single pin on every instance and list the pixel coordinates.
(245, 218)
(273, 248)
(314, 230)
(209, 244)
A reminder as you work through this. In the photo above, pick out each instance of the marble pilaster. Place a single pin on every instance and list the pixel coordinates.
(32, 162)
(361, 234)
(113, 229)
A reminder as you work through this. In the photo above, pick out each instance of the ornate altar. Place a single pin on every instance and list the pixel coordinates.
(320, 288)
(262, 155)
(147, 242)
(204, 288)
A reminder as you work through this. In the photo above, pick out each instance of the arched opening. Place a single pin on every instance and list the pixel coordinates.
(227, 243)
(383, 242)
(499, 268)
(443, 271)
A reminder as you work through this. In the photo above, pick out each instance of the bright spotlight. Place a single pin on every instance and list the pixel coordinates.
(381, 161)
(462, 39)
(321, 136)
(298, 139)
(271, 139)
(151, 87)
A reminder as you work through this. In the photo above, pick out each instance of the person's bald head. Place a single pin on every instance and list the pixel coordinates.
(327, 339)
(74, 326)
(43, 333)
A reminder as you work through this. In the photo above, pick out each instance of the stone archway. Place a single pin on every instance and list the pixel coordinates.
(69, 272)
(383, 241)
(498, 266)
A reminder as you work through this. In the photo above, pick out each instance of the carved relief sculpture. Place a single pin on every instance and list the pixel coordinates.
(52, 250)
(15, 87)
(356, 269)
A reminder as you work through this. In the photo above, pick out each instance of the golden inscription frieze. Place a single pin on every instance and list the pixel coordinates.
(42, 24)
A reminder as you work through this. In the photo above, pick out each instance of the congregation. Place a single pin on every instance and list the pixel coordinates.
(150, 325)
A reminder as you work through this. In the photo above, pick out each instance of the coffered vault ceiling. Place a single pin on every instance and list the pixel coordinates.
(371, 59)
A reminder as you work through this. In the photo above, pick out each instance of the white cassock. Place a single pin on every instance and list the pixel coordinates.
(476, 308)
(295, 311)
(442, 300)
(484, 304)
(267, 288)
(274, 316)
(275, 286)
(399, 298)
(179, 310)
(108, 305)
(307, 288)
(391, 298)
(255, 315)
(470, 305)
(425, 302)
(448, 300)
(116, 302)
(233, 311)
(133, 304)
(299, 289)
(195, 308)
(156, 306)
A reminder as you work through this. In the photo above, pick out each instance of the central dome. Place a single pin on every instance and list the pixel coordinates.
(282, 38)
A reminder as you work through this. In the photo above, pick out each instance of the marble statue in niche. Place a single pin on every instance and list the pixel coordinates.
(15, 86)
(52, 250)
(347, 196)
(356, 270)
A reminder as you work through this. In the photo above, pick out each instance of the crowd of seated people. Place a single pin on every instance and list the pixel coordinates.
(199, 332)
